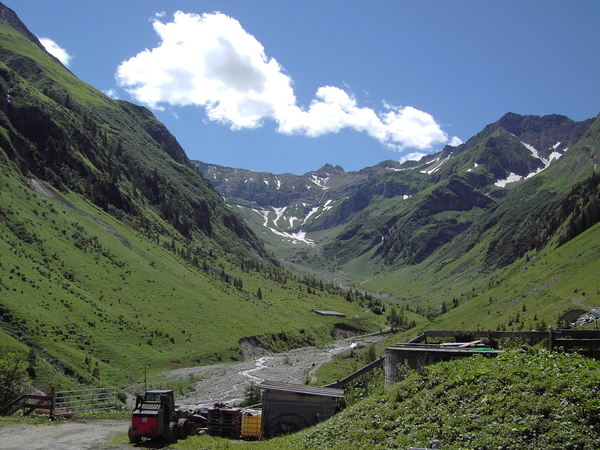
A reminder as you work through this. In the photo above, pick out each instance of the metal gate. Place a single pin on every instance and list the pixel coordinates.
(85, 400)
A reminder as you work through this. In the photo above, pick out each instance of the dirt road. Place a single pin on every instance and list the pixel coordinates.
(68, 435)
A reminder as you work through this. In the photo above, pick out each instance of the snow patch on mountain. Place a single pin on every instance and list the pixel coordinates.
(312, 211)
(437, 164)
(295, 238)
(278, 213)
(536, 154)
(320, 181)
(512, 178)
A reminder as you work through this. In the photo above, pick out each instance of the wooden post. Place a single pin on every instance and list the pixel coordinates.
(550, 338)
(52, 403)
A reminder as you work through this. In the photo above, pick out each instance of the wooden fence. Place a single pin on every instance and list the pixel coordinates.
(64, 402)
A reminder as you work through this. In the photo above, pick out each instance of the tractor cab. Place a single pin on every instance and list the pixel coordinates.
(155, 396)
(154, 415)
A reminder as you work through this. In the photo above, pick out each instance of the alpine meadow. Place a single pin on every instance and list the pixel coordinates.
(122, 258)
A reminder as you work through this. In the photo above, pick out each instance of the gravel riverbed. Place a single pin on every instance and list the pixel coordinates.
(227, 383)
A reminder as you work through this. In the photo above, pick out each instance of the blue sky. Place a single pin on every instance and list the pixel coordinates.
(280, 86)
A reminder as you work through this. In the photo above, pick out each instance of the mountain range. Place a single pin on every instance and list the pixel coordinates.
(120, 255)
(396, 214)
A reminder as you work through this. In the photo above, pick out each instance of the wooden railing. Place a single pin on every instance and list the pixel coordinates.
(556, 337)
(29, 403)
(366, 369)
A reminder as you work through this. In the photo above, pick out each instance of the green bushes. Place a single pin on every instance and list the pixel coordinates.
(515, 401)
(13, 377)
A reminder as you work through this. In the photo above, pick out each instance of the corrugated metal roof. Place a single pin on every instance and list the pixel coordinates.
(301, 389)
(329, 313)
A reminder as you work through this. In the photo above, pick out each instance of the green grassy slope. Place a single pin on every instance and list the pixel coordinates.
(117, 256)
(101, 310)
(527, 228)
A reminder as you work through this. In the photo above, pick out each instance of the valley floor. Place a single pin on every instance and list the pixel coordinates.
(226, 383)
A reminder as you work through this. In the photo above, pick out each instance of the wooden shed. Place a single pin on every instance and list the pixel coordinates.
(287, 408)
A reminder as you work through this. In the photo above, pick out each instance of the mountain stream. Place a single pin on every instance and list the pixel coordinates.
(227, 383)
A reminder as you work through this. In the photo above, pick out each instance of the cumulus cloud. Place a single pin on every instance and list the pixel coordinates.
(415, 156)
(455, 141)
(112, 93)
(57, 51)
(209, 60)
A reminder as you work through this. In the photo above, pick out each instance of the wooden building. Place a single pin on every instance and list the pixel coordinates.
(287, 408)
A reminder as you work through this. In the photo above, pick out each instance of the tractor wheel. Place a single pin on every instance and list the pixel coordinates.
(171, 434)
(133, 438)
(183, 428)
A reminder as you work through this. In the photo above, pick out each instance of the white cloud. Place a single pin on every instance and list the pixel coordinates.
(416, 156)
(112, 93)
(455, 141)
(55, 50)
(209, 60)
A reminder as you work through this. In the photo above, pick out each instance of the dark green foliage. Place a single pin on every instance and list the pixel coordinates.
(14, 378)
(583, 205)
(252, 396)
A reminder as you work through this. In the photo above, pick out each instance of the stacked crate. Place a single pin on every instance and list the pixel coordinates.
(251, 424)
(224, 423)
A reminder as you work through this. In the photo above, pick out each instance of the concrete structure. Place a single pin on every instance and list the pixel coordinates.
(287, 407)
(421, 352)
(417, 357)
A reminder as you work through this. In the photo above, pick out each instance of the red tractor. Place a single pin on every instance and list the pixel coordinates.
(155, 414)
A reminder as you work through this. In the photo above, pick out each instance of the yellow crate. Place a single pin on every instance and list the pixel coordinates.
(251, 424)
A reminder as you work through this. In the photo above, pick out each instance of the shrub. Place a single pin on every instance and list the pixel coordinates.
(14, 379)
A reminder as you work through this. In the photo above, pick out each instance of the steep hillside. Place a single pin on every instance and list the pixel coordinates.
(61, 130)
(117, 255)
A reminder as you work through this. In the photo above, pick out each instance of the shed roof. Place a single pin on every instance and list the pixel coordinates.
(572, 315)
(301, 389)
(329, 313)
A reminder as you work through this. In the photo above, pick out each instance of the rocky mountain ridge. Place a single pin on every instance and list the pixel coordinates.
(387, 207)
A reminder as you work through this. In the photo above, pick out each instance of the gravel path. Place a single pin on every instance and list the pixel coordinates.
(92, 435)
